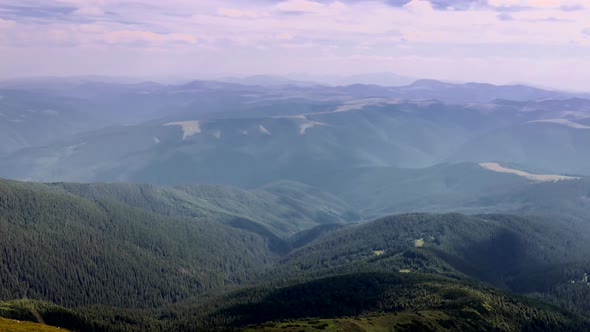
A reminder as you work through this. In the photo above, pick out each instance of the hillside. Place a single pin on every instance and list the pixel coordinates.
(102, 250)
(494, 248)
(247, 136)
(183, 257)
(534, 256)
(531, 143)
(9, 325)
(29, 119)
(281, 208)
(378, 191)
(406, 302)
(464, 187)
(72, 251)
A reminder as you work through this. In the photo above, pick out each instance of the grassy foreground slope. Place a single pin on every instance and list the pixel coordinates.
(10, 325)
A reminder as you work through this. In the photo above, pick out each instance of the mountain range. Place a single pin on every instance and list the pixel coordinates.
(274, 204)
(198, 132)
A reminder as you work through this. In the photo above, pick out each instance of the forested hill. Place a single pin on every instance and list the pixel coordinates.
(283, 208)
(183, 258)
(421, 271)
(542, 257)
(73, 251)
(390, 302)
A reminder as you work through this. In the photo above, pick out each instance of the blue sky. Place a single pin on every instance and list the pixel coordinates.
(546, 42)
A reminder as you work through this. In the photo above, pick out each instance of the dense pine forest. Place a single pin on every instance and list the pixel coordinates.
(114, 257)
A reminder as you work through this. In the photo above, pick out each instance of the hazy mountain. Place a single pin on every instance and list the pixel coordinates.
(268, 80)
(222, 125)
(29, 119)
(383, 79)
(559, 145)
(475, 92)
(448, 187)
(466, 187)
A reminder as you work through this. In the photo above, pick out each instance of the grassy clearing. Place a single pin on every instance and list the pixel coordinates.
(9, 325)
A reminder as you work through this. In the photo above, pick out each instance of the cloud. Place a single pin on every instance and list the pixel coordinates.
(572, 7)
(565, 5)
(38, 13)
(298, 46)
(5, 24)
(135, 36)
(444, 4)
(300, 6)
(89, 11)
(237, 13)
(418, 6)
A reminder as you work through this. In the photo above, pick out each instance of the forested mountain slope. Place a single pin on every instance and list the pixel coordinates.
(176, 254)
(386, 301)
(465, 187)
(73, 251)
(540, 256)
(283, 208)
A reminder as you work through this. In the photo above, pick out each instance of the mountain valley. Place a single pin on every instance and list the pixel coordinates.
(287, 207)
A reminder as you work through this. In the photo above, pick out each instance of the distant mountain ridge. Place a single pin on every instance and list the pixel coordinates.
(80, 130)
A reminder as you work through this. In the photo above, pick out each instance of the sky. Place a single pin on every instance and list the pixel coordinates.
(543, 42)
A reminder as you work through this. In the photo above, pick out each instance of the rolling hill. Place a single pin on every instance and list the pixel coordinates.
(280, 140)
(531, 143)
(280, 208)
(73, 251)
(198, 132)
(385, 301)
(164, 258)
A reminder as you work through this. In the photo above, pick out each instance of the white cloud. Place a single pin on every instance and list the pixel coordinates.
(419, 7)
(89, 11)
(536, 4)
(6, 24)
(299, 6)
(230, 12)
(132, 36)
